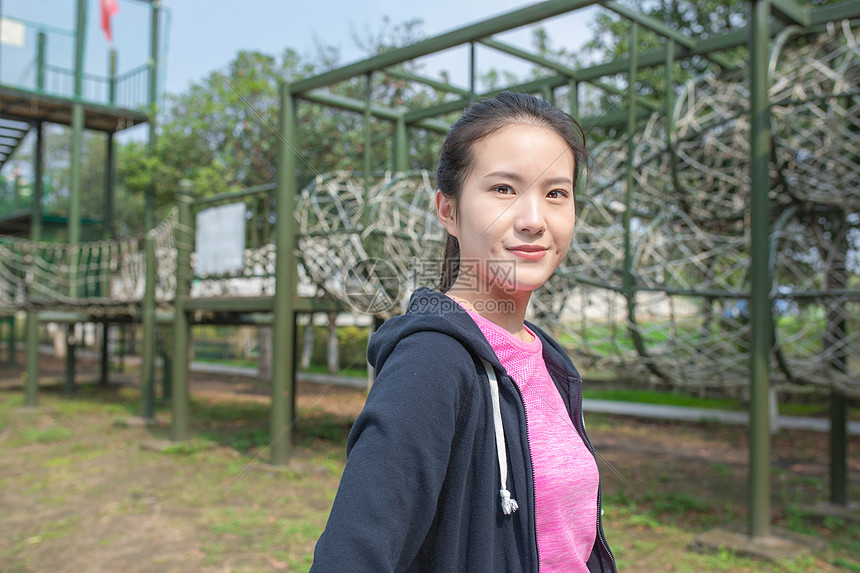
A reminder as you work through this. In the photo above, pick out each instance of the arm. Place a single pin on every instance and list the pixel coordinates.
(397, 458)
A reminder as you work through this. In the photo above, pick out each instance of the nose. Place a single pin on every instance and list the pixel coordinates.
(529, 216)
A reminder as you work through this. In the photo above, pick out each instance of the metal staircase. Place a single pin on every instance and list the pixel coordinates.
(12, 133)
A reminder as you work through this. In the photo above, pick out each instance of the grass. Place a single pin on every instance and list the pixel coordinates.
(816, 408)
(313, 368)
(244, 362)
(71, 477)
(352, 372)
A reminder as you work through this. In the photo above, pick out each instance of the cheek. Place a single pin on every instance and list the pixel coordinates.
(564, 231)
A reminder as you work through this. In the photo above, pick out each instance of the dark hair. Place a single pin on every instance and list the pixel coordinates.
(480, 120)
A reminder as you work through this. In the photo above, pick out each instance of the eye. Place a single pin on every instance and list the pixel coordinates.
(504, 189)
(557, 194)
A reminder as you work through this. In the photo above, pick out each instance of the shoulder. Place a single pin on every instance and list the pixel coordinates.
(429, 354)
(426, 384)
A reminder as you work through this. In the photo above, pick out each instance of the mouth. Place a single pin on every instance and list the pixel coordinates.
(528, 252)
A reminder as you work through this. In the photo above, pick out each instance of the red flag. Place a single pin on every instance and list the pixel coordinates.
(109, 8)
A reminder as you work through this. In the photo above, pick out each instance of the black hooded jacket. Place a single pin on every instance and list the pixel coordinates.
(420, 491)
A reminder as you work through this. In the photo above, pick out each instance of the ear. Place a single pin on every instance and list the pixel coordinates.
(445, 212)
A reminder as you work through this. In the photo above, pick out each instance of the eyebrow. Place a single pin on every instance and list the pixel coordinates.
(516, 177)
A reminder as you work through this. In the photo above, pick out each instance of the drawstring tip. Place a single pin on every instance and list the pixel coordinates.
(508, 505)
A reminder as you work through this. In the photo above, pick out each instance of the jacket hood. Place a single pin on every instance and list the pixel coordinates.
(431, 310)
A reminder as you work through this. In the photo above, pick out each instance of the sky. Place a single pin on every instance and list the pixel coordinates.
(202, 36)
(205, 35)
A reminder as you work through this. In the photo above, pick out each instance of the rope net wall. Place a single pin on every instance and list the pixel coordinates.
(103, 278)
(682, 313)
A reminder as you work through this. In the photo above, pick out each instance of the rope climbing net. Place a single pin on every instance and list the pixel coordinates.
(656, 283)
(102, 278)
(675, 304)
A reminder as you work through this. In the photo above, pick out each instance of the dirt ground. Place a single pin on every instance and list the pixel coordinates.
(83, 487)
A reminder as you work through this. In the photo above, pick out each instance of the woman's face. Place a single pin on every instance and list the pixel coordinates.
(515, 216)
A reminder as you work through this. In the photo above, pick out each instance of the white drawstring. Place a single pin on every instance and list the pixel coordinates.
(508, 505)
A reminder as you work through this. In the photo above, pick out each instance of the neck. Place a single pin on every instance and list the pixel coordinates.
(506, 309)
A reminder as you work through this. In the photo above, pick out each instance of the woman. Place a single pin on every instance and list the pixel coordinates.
(471, 452)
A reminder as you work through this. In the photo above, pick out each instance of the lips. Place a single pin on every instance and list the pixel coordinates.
(527, 248)
(529, 252)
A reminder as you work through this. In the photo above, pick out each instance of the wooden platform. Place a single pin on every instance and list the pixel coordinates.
(28, 106)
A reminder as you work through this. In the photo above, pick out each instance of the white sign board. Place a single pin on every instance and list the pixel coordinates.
(221, 239)
(11, 33)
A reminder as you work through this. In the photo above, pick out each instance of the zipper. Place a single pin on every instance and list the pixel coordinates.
(581, 429)
(532, 467)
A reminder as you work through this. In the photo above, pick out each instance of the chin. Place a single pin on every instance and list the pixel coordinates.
(524, 287)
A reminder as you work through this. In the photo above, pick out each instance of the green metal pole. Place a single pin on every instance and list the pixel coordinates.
(74, 224)
(669, 87)
(836, 331)
(838, 449)
(38, 185)
(473, 73)
(40, 62)
(148, 315)
(401, 144)
(165, 345)
(112, 76)
(148, 306)
(630, 182)
(11, 341)
(181, 323)
(627, 283)
(105, 358)
(110, 167)
(70, 359)
(573, 98)
(548, 94)
(105, 253)
(31, 381)
(367, 242)
(285, 279)
(16, 192)
(368, 86)
(760, 301)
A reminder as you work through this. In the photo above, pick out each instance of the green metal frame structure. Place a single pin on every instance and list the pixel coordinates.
(43, 102)
(767, 18)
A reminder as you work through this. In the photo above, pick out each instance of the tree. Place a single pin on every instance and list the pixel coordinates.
(222, 132)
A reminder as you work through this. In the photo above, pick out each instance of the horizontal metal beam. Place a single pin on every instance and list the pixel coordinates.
(481, 32)
(791, 11)
(457, 105)
(431, 125)
(847, 9)
(662, 29)
(611, 118)
(529, 57)
(561, 69)
(234, 195)
(435, 84)
(259, 304)
(464, 35)
(350, 104)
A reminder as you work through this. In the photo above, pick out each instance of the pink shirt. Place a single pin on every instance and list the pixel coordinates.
(566, 476)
